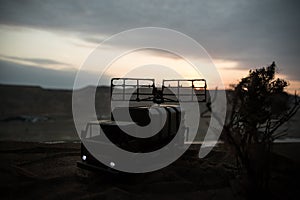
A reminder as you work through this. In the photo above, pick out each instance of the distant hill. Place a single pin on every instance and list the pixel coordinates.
(34, 100)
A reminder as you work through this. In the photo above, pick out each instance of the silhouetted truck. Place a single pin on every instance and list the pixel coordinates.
(146, 102)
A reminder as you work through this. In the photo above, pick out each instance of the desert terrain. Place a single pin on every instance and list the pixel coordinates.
(39, 148)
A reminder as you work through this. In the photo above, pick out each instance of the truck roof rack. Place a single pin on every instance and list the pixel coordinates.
(172, 90)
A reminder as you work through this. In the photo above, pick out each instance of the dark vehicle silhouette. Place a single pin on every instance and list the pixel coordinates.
(143, 97)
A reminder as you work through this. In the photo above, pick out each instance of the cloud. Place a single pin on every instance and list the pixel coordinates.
(161, 53)
(92, 39)
(14, 73)
(37, 61)
(253, 33)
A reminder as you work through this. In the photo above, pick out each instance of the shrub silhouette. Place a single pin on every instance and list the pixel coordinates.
(259, 107)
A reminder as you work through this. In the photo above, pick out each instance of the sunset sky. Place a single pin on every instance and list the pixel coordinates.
(45, 42)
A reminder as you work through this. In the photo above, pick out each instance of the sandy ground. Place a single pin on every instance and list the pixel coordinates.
(49, 171)
(33, 170)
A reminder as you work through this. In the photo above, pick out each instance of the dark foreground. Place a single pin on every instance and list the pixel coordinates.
(48, 171)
